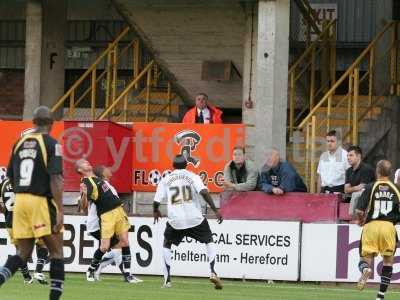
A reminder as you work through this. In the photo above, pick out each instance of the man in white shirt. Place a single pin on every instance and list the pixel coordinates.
(182, 190)
(332, 165)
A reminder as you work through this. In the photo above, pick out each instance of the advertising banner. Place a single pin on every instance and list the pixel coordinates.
(245, 249)
(12, 132)
(100, 142)
(206, 148)
(330, 253)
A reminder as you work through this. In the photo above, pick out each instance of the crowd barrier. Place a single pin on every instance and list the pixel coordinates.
(290, 206)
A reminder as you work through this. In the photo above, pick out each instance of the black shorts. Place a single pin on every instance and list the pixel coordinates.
(97, 235)
(201, 233)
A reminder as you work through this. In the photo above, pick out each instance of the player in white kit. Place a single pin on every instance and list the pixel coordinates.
(182, 191)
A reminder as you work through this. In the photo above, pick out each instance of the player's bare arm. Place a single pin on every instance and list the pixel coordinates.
(84, 199)
(207, 197)
(360, 217)
(56, 186)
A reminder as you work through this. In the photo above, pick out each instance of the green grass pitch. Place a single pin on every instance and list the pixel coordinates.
(113, 288)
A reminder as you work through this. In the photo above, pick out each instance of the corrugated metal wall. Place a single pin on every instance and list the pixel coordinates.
(93, 34)
(358, 20)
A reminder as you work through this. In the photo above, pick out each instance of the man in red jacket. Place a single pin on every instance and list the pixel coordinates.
(203, 113)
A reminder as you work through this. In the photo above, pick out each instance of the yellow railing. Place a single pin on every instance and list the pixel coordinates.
(104, 73)
(381, 56)
(303, 73)
(150, 74)
(108, 61)
(310, 18)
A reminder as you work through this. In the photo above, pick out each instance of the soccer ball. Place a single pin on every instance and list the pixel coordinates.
(3, 174)
(154, 177)
(166, 173)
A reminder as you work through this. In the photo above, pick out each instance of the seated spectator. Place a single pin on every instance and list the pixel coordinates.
(203, 112)
(332, 165)
(240, 174)
(278, 177)
(357, 177)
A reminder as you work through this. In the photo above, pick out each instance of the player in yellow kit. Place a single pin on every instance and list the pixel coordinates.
(378, 212)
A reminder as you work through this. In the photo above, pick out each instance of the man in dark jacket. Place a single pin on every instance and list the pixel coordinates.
(278, 177)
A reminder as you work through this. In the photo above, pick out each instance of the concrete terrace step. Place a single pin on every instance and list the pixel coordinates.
(341, 113)
(363, 100)
(141, 119)
(152, 107)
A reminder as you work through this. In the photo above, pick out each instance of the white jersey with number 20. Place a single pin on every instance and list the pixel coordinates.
(181, 190)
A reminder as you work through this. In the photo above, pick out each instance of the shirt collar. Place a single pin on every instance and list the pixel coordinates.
(358, 168)
(233, 165)
(337, 151)
(205, 109)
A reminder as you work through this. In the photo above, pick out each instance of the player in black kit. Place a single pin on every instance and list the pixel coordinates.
(7, 201)
(35, 172)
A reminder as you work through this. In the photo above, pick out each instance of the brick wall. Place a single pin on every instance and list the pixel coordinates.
(11, 94)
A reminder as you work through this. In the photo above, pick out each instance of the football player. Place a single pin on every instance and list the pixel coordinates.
(182, 191)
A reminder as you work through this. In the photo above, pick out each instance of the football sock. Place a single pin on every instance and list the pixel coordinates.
(25, 271)
(211, 256)
(362, 265)
(111, 257)
(167, 253)
(121, 268)
(117, 258)
(42, 254)
(126, 259)
(9, 269)
(385, 281)
(96, 260)
(56, 278)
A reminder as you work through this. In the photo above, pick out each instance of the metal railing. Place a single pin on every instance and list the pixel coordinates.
(310, 18)
(347, 112)
(318, 59)
(102, 77)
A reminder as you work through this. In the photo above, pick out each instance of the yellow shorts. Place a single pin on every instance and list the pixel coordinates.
(378, 237)
(34, 216)
(38, 242)
(114, 222)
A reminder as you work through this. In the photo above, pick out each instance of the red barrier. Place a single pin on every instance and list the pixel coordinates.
(100, 142)
(344, 212)
(291, 206)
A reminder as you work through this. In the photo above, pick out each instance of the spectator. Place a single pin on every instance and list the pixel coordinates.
(279, 177)
(203, 112)
(240, 174)
(332, 165)
(357, 177)
(397, 177)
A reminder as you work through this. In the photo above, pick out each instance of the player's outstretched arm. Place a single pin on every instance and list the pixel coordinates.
(207, 197)
(56, 186)
(84, 199)
(360, 217)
